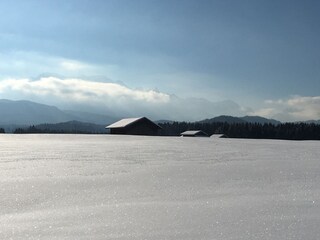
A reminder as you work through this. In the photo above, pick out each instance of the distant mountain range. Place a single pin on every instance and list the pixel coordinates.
(231, 120)
(31, 113)
(245, 119)
(14, 114)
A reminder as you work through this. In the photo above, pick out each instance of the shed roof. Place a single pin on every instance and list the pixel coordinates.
(128, 121)
(218, 135)
(193, 132)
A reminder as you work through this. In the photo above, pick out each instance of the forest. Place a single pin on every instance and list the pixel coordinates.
(286, 131)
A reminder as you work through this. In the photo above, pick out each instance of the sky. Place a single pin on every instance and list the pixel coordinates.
(169, 59)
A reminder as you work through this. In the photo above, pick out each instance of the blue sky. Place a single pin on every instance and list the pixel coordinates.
(261, 56)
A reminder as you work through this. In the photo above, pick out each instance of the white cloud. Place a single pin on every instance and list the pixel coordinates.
(296, 108)
(264, 112)
(81, 90)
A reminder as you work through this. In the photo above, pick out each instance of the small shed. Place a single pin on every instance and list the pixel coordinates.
(135, 126)
(219, 136)
(194, 133)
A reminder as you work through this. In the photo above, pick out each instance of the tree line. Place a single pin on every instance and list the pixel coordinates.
(288, 131)
(34, 129)
(65, 127)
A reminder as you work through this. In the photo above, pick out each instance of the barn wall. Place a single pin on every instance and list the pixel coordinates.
(117, 131)
(143, 127)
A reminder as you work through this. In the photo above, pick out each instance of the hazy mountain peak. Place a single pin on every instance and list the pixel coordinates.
(24, 112)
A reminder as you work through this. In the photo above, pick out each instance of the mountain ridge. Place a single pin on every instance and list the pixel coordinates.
(245, 119)
(23, 112)
(26, 113)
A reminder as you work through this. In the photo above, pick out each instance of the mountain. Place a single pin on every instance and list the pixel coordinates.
(224, 118)
(246, 119)
(32, 113)
(27, 113)
(261, 120)
(91, 117)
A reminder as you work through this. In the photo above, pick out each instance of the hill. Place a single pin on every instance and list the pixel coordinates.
(262, 120)
(245, 119)
(31, 113)
(223, 118)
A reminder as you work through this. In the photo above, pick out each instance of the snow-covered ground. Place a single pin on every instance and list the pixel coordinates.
(126, 187)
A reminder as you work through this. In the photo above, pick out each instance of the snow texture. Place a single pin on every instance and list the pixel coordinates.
(134, 187)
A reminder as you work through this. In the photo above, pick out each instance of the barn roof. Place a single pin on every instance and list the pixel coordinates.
(193, 132)
(128, 121)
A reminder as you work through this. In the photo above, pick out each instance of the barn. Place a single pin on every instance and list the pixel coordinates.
(194, 133)
(135, 126)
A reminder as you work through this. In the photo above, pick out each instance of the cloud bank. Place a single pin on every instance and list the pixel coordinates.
(118, 100)
(295, 108)
(80, 90)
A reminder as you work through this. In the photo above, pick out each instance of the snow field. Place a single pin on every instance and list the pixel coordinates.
(133, 187)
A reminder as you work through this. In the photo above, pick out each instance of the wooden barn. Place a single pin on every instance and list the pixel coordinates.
(135, 126)
(194, 133)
